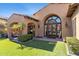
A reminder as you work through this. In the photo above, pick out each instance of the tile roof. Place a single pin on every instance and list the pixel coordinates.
(30, 17)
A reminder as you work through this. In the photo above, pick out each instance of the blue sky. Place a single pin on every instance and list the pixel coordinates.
(6, 9)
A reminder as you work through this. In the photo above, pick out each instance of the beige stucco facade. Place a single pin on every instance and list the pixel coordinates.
(75, 23)
(54, 9)
(21, 19)
(60, 10)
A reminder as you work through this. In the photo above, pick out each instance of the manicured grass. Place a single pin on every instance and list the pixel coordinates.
(32, 48)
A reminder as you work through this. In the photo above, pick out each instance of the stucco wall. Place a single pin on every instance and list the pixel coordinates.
(15, 18)
(21, 19)
(34, 22)
(75, 17)
(54, 9)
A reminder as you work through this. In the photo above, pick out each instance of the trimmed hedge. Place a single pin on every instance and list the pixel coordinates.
(25, 37)
(74, 43)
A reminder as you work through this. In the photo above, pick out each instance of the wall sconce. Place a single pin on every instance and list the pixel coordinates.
(38, 26)
(66, 24)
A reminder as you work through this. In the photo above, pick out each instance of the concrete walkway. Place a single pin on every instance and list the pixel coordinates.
(49, 39)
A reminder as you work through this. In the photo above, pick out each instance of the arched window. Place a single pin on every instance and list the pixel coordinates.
(53, 19)
(53, 26)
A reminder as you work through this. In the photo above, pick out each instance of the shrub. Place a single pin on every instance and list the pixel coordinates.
(72, 40)
(25, 37)
(75, 48)
(74, 44)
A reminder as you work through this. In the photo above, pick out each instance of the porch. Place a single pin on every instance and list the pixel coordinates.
(49, 39)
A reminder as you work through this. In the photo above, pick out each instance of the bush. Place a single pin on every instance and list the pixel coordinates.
(75, 48)
(72, 40)
(3, 34)
(74, 44)
(25, 37)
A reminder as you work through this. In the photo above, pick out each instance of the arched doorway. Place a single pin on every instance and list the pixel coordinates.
(31, 28)
(53, 27)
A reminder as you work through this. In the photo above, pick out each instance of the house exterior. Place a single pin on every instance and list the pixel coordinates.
(73, 12)
(3, 23)
(55, 20)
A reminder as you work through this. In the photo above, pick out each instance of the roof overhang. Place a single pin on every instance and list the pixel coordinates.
(29, 17)
(72, 8)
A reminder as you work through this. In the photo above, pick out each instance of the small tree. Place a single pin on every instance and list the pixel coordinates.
(18, 27)
(21, 27)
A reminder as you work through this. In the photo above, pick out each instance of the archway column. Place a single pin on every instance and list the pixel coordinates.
(41, 29)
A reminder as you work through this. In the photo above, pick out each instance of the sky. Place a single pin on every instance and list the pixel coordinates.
(7, 9)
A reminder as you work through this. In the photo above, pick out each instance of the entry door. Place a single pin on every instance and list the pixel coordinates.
(52, 30)
(31, 29)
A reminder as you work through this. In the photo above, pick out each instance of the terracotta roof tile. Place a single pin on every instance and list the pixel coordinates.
(27, 16)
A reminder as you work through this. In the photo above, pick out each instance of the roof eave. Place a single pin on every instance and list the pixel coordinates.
(31, 18)
(27, 17)
(72, 9)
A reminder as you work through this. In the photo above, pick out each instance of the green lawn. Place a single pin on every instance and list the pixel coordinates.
(32, 48)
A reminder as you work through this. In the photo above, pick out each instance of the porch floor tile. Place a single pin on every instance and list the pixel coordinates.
(49, 39)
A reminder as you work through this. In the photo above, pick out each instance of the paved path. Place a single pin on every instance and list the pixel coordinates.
(49, 39)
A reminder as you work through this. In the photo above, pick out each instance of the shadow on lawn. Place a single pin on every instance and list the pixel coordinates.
(3, 38)
(38, 44)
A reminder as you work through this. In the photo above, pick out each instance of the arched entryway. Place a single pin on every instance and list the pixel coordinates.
(31, 28)
(53, 27)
